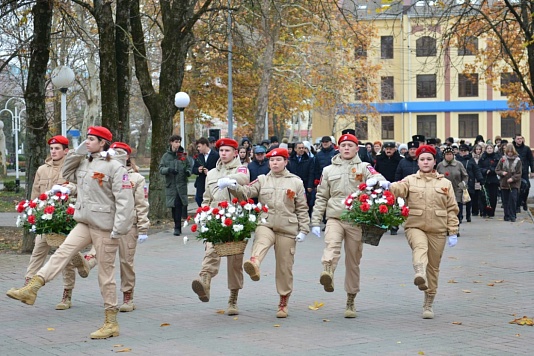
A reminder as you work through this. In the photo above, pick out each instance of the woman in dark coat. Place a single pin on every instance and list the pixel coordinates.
(176, 168)
(487, 164)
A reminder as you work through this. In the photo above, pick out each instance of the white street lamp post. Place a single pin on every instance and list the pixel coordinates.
(15, 124)
(181, 100)
(62, 78)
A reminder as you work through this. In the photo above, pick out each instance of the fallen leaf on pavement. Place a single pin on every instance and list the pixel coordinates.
(500, 281)
(490, 284)
(118, 345)
(235, 318)
(523, 321)
(276, 325)
(220, 311)
(518, 335)
(452, 281)
(165, 324)
(316, 306)
(326, 320)
(477, 281)
(124, 350)
(50, 329)
(421, 353)
(466, 291)
(457, 322)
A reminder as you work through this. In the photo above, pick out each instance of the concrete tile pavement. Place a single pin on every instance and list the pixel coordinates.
(389, 306)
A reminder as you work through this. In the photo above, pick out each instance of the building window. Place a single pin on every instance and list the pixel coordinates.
(360, 52)
(425, 47)
(468, 85)
(426, 85)
(510, 125)
(386, 47)
(388, 128)
(426, 125)
(360, 88)
(386, 87)
(509, 83)
(468, 125)
(361, 127)
(468, 46)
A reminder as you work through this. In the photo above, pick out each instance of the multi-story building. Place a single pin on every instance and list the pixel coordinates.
(422, 86)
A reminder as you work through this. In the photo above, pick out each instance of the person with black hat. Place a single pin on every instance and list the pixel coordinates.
(323, 158)
(456, 173)
(104, 213)
(302, 165)
(420, 139)
(212, 140)
(431, 223)
(488, 163)
(408, 165)
(265, 143)
(205, 161)
(527, 161)
(433, 143)
(259, 164)
(387, 164)
(274, 141)
(474, 175)
(176, 168)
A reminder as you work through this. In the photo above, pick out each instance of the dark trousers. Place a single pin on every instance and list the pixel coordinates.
(177, 213)
(461, 211)
(476, 201)
(522, 195)
(509, 200)
(199, 196)
(493, 191)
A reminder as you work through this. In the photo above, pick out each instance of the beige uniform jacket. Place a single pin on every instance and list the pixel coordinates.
(105, 200)
(47, 175)
(234, 170)
(430, 198)
(339, 180)
(284, 195)
(140, 218)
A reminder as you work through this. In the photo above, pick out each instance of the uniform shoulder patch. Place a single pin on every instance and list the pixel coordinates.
(126, 183)
(371, 169)
(242, 169)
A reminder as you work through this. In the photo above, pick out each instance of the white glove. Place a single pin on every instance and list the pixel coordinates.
(56, 188)
(114, 235)
(110, 152)
(81, 149)
(371, 182)
(226, 182)
(316, 230)
(453, 240)
(385, 184)
(142, 238)
(300, 237)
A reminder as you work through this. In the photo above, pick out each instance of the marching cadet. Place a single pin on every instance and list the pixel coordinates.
(433, 217)
(286, 224)
(48, 177)
(338, 181)
(137, 234)
(228, 166)
(103, 211)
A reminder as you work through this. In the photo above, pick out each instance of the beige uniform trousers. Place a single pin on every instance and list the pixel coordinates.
(38, 258)
(106, 251)
(336, 231)
(284, 253)
(127, 246)
(427, 249)
(212, 262)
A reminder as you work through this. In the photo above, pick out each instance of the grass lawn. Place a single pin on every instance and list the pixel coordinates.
(8, 200)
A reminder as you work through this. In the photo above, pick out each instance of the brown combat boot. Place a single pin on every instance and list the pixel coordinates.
(327, 278)
(66, 301)
(28, 293)
(252, 269)
(420, 276)
(232, 302)
(81, 265)
(128, 303)
(282, 307)
(110, 327)
(428, 313)
(201, 287)
(350, 310)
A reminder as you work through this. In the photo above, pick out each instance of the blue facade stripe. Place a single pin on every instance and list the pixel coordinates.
(435, 106)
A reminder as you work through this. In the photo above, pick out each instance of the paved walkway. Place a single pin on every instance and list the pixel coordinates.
(486, 281)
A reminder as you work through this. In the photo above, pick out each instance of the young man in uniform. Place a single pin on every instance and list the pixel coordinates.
(229, 166)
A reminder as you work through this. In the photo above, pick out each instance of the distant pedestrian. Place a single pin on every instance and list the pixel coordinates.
(509, 169)
(205, 160)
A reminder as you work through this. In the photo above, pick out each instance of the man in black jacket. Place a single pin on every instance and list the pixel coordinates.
(473, 171)
(527, 161)
(409, 164)
(323, 158)
(302, 165)
(204, 161)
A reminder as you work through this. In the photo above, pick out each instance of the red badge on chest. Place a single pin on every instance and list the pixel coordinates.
(371, 170)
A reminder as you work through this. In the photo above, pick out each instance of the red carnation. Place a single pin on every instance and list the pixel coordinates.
(362, 186)
(20, 208)
(348, 201)
(70, 210)
(43, 196)
(383, 209)
(256, 209)
(243, 203)
(316, 182)
(390, 200)
(199, 210)
(365, 207)
(446, 174)
(31, 219)
(194, 228)
(265, 209)
(387, 193)
(215, 211)
(235, 200)
(363, 198)
(228, 222)
(206, 208)
(223, 204)
(58, 194)
(250, 201)
(49, 210)
(405, 211)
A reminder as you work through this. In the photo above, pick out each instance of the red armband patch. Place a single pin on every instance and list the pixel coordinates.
(242, 169)
(371, 170)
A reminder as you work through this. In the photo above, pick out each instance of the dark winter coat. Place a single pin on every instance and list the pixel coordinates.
(175, 184)
(406, 167)
(488, 163)
(210, 163)
(473, 171)
(387, 166)
(525, 155)
(513, 166)
(304, 169)
(323, 158)
(257, 168)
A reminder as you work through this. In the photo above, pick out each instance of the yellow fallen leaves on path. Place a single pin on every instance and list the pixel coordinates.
(525, 320)
(316, 306)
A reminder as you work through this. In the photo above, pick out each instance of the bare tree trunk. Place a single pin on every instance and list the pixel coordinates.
(143, 136)
(124, 73)
(35, 98)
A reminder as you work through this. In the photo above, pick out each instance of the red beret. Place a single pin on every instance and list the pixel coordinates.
(123, 146)
(101, 132)
(347, 137)
(62, 140)
(278, 152)
(226, 142)
(425, 149)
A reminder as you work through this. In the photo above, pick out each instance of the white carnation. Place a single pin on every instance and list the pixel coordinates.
(238, 228)
(400, 201)
(248, 207)
(263, 220)
(19, 221)
(203, 229)
(252, 218)
(186, 223)
(231, 210)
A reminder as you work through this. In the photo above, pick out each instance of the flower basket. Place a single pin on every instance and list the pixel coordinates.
(55, 240)
(230, 248)
(372, 234)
